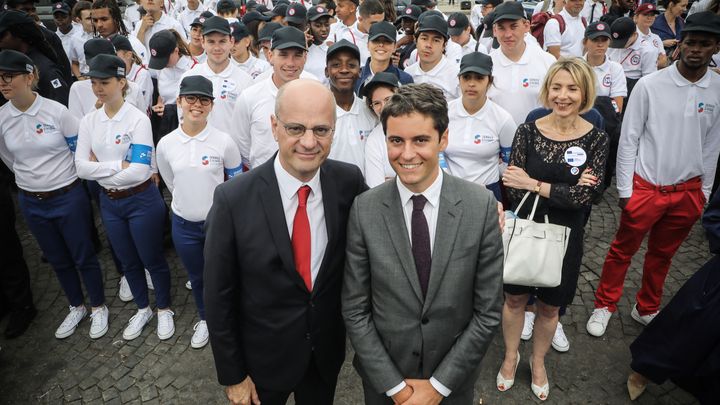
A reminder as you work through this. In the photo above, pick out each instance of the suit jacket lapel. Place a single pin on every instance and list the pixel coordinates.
(398, 232)
(448, 222)
(275, 215)
(330, 205)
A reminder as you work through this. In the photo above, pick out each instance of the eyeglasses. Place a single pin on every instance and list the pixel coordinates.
(7, 78)
(298, 130)
(380, 103)
(204, 101)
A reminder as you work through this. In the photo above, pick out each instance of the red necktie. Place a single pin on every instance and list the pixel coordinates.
(301, 237)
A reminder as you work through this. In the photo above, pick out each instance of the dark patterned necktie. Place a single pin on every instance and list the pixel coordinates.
(421, 242)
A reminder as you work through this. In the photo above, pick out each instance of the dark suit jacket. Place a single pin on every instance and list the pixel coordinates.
(263, 322)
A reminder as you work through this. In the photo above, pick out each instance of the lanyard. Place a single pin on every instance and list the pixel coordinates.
(138, 72)
(627, 56)
(353, 36)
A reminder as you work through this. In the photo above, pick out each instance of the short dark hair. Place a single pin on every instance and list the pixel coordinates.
(424, 99)
(79, 7)
(371, 7)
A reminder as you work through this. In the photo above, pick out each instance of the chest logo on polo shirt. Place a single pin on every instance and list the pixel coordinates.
(607, 81)
(39, 128)
(530, 82)
(705, 108)
(364, 134)
(227, 90)
(214, 160)
(480, 139)
(42, 128)
(635, 60)
(121, 138)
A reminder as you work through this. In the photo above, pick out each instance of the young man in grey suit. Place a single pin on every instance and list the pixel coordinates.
(423, 276)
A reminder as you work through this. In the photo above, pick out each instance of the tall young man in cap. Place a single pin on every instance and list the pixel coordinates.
(461, 33)
(346, 13)
(369, 13)
(566, 39)
(453, 50)
(354, 120)
(66, 30)
(228, 79)
(519, 67)
(480, 11)
(154, 21)
(296, 16)
(665, 169)
(241, 55)
(319, 20)
(381, 44)
(189, 14)
(254, 135)
(433, 66)
(636, 58)
(406, 42)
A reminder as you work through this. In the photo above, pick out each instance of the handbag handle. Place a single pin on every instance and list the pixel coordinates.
(532, 213)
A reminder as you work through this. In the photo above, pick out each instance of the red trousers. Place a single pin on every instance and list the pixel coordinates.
(668, 214)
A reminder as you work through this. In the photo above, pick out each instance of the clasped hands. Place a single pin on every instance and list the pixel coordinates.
(417, 392)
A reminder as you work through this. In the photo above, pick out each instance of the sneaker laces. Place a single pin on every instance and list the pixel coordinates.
(97, 316)
(197, 325)
(136, 319)
(600, 314)
(73, 318)
(165, 318)
(559, 333)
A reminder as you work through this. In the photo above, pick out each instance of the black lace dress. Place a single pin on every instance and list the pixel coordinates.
(559, 163)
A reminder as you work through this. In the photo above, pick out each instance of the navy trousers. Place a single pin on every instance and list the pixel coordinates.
(189, 240)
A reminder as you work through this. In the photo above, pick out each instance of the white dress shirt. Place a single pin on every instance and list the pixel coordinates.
(442, 76)
(192, 166)
(352, 128)
(570, 41)
(432, 194)
(377, 164)
(289, 186)
(671, 131)
(34, 144)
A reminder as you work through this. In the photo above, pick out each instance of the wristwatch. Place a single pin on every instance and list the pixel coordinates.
(536, 190)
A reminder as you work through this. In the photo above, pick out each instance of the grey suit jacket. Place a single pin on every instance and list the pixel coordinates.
(395, 332)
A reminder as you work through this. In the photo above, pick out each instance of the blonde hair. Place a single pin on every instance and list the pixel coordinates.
(581, 73)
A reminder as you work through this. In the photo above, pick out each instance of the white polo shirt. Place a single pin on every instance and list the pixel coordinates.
(192, 166)
(377, 164)
(610, 79)
(81, 100)
(164, 23)
(253, 66)
(168, 78)
(77, 51)
(593, 10)
(477, 141)
(227, 86)
(187, 16)
(570, 41)
(316, 61)
(140, 75)
(36, 144)
(470, 47)
(354, 35)
(443, 76)
(352, 128)
(110, 139)
(671, 131)
(637, 61)
(337, 31)
(303, 75)
(453, 52)
(68, 39)
(252, 112)
(651, 39)
(516, 85)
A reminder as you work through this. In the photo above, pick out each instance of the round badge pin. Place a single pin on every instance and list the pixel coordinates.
(575, 156)
(574, 171)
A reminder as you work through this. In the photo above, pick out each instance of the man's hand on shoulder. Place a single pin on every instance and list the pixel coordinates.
(423, 393)
(243, 393)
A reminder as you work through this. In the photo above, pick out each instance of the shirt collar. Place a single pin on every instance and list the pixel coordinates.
(118, 117)
(354, 109)
(438, 69)
(432, 193)
(33, 110)
(201, 137)
(224, 74)
(462, 112)
(289, 185)
(184, 63)
(681, 81)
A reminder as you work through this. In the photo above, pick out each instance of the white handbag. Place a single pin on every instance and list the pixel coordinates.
(534, 251)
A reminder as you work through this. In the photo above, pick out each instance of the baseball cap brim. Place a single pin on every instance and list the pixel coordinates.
(599, 34)
(433, 29)
(288, 45)
(196, 93)
(475, 69)
(455, 31)
(619, 43)
(508, 16)
(158, 62)
(99, 75)
(218, 30)
(295, 19)
(381, 34)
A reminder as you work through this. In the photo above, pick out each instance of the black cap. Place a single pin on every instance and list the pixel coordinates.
(598, 29)
(382, 78)
(382, 29)
(267, 30)
(200, 20)
(423, 3)
(704, 21)
(61, 8)
(97, 46)
(263, 9)
(433, 23)
(104, 66)
(13, 17)
(622, 29)
(494, 3)
(296, 13)
(162, 45)
(412, 12)
(279, 11)
(509, 10)
(251, 5)
(487, 24)
(225, 6)
(343, 45)
(316, 12)
(196, 85)
(457, 23)
(14, 61)
(288, 37)
(279, 2)
(427, 13)
(254, 16)
(216, 24)
(239, 31)
(121, 43)
(476, 62)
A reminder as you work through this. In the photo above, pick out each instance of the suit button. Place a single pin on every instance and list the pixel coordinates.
(416, 354)
(425, 321)
(307, 336)
(312, 304)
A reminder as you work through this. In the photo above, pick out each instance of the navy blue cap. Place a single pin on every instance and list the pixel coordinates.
(342, 45)
(296, 13)
(433, 23)
(509, 10)
(239, 31)
(266, 32)
(598, 29)
(97, 46)
(622, 29)
(288, 37)
(121, 43)
(162, 45)
(457, 23)
(200, 20)
(412, 12)
(254, 16)
(216, 24)
(104, 66)
(704, 21)
(382, 29)
(316, 12)
(476, 62)
(61, 7)
(16, 62)
(196, 85)
(382, 78)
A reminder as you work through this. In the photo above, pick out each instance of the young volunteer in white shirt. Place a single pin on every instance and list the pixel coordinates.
(462, 34)
(195, 37)
(37, 141)
(193, 160)
(66, 30)
(593, 10)
(433, 67)
(518, 68)
(189, 14)
(369, 12)
(346, 14)
(137, 72)
(241, 55)
(610, 75)
(107, 20)
(82, 12)
(354, 121)
(378, 91)
(115, 148)
(568, 42)
(453, 50)
(480, 132)
(253, 133)
(154, 21)
(319, 26)
(228, 79)
(644, 18)
(637, 59)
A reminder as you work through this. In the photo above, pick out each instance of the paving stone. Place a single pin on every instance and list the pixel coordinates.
(91, 394)
(109, 394)
(147, 393)
(129, 394)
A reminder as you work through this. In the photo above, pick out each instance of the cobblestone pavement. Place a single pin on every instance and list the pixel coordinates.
(39, 369)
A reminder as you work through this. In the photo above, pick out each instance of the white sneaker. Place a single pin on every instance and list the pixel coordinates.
(166, 325)
(124, 292)
(67, 327)
(137, 323)
(148, 279)
(643, 319)
(528, 325)
(188, 285)
(598, 321)
(99, 326)
(201, 336)
(560, 341)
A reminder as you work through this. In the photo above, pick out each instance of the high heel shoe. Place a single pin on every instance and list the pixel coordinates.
(636, 385)
(540, 392)
(503, 384)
